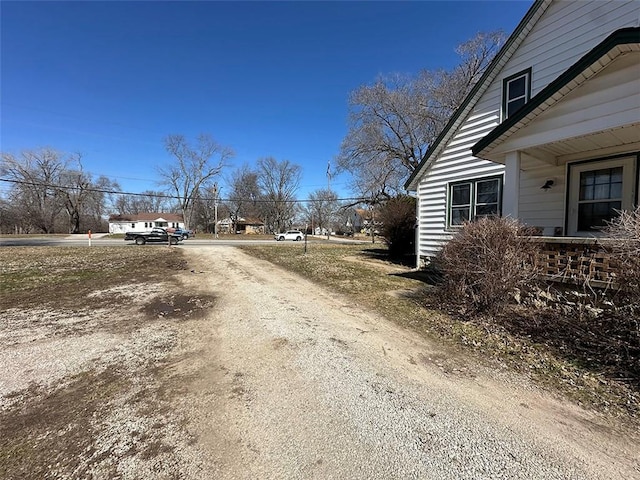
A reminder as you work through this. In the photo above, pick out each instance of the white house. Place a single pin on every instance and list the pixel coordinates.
(550, 134)
(144, 222)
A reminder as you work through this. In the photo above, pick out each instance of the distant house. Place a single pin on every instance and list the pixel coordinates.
(225, 225)
(364, 218)
(250, 226)
(549, 135)
(144, 222)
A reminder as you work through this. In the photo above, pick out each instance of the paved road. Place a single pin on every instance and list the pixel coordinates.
(98, 240)
(293, 382)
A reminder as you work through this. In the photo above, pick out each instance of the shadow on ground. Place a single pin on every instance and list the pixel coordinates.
(382, 254)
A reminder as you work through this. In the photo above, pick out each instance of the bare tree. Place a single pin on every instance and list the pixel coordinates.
(244, 200)
(394, 121)
(12, 219)
(205, 206)
(322, 208)
(73, 197)
(377, 181)
(36, 177)
(279, 182)
(149, 201)
(195, 166)
(48, 183)
(99, 202)
(475, 56)
(83, 198)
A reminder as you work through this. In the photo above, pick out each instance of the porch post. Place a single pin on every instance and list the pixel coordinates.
(416, 233)
(511, 190)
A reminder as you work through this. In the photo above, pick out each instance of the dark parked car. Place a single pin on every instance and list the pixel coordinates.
(156, 235)
(183, 233)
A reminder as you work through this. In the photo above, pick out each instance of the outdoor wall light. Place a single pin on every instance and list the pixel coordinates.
(547, 185)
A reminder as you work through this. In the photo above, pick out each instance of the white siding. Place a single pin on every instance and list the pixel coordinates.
(123, 227)
(118, 227)
(454, 164)
(609, 100)
(543, 208)
(565, 33)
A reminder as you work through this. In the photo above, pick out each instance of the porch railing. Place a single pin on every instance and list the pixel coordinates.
(576, 260)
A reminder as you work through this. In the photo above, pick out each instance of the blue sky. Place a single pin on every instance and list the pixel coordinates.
(112, 79)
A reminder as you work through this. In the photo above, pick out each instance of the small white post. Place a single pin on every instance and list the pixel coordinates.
(215, 210)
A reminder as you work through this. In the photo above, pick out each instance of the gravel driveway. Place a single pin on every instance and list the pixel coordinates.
(295, 382)
(246, 371)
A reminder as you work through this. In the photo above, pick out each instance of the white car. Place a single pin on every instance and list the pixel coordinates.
(295, 235)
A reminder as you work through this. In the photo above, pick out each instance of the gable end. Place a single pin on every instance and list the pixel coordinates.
(501, 58)
(626, 36)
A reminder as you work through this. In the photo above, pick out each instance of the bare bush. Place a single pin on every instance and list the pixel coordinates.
(398, 217)
(487, 264)
(624, 245)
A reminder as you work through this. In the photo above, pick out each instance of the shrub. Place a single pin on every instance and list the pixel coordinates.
(398, 217)
(624, 245)
(486, 264)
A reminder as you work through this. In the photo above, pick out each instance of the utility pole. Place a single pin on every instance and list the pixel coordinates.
(328, 191)
(373, 223)
(215, 210)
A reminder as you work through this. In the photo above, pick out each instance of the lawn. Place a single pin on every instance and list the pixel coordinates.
(39, 275)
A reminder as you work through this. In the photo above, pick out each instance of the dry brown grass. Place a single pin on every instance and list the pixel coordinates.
(65, 275)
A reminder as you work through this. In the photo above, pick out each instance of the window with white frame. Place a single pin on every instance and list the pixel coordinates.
(471, 199)
(597, 191)
(516, 92)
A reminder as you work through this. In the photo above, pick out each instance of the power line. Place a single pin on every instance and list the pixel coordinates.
(166, 196)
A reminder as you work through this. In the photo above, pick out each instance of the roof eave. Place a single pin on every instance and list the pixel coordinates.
(630, 35)
(480, 87)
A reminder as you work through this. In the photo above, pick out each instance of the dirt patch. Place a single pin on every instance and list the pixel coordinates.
(42, 436)
(65, 276)
(113, 420)
(88, 383)
(179, 306)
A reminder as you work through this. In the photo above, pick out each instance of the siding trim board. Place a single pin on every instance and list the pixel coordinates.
(617, 43)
